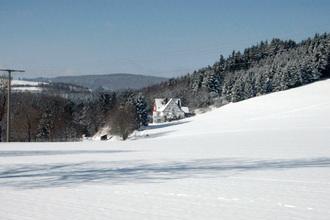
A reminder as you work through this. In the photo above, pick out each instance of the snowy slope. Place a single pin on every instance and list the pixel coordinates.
(23, 85)
(263, 158)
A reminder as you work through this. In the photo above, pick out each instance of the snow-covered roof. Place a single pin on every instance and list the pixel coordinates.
(185, 109)
(160, 104)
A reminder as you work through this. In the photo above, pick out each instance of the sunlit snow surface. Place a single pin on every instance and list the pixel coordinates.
(263, 158)
(23, 85)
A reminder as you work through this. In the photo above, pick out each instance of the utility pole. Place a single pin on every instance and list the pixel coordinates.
(9, 71)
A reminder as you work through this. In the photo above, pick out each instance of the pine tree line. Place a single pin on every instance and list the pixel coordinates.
(267, 67)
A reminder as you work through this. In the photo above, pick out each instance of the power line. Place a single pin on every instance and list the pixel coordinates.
(9, 71)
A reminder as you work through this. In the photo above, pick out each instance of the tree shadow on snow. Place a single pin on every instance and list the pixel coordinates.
(70, 174)
(164, 125)
(152, 135)
(15, 153)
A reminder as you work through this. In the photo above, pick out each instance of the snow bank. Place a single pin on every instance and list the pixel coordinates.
(103, 131)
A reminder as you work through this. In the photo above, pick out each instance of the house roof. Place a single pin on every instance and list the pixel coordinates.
(161, 106)
(185, 109)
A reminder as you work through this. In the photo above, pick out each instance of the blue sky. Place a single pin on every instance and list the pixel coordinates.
(154, 37)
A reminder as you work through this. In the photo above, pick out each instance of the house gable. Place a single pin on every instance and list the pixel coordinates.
(165, 111)
(173, 106)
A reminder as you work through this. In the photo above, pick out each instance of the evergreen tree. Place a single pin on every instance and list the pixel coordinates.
(141, 111)
(46, 125)
(213, 82)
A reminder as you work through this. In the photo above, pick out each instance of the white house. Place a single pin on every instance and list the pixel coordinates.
(168, 110)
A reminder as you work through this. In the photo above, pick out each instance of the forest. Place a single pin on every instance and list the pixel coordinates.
(260, 69)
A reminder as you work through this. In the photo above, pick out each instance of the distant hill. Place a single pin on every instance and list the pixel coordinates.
(113, 82)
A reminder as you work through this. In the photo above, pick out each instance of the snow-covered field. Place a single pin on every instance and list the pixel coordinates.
(263, 158)
(23, 85)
